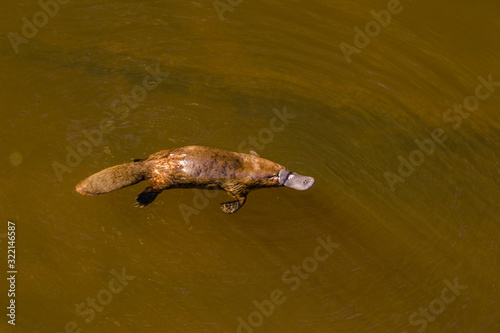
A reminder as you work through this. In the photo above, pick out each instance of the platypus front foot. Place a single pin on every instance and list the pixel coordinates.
(230, 207)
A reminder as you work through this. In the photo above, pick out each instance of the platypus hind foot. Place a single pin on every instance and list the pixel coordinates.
(147, 196)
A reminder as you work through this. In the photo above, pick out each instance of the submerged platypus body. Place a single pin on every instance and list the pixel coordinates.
(196, 167)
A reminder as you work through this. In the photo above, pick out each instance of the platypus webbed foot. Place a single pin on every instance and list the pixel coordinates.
(147, 196)
(231, 207)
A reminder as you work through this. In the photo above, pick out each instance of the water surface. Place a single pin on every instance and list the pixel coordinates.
(418, 255)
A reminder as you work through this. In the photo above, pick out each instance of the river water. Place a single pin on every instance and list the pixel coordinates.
(391, 106)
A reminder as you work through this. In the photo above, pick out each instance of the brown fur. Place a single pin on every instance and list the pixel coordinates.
(189, 167)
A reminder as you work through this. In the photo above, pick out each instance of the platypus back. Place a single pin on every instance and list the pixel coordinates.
(196, 167)
(114, 178)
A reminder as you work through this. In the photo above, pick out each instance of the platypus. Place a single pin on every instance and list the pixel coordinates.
(196, 167)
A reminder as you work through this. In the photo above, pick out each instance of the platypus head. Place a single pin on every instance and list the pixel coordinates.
(294, 180)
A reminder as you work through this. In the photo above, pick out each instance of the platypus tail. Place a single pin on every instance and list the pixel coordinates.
(114, 178)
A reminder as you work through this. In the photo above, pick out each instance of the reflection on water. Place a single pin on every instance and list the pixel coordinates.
(394, 114)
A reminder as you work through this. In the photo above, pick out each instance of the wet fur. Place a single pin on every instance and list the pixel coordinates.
(189, 167)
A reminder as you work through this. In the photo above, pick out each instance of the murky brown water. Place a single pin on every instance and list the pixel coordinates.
(413, 245)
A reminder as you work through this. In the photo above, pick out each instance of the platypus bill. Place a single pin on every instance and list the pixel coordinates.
(196, 167)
